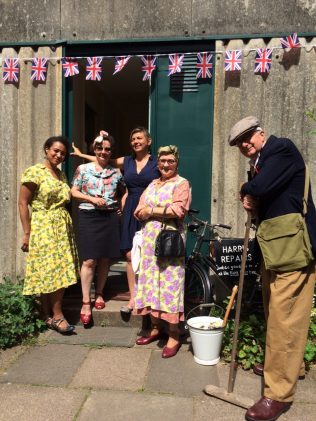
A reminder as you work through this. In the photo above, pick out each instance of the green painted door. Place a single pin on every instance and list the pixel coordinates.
(181, 114)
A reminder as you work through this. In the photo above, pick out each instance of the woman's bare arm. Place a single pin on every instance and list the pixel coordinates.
(116, 162)
(26, 194)
(77, 152)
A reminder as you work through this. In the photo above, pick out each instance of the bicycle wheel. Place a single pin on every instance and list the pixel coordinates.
(197, 289)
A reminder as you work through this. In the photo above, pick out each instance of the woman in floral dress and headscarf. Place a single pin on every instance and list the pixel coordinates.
(160, 283)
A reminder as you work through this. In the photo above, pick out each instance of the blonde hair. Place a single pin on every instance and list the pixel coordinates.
(168, 150)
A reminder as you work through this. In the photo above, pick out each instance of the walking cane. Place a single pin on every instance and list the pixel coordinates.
(220, 393)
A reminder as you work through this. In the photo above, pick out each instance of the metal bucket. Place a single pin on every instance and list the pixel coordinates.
(206, 341)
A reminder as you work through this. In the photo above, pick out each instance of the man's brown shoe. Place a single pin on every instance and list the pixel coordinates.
(267, 410)
(258, 370)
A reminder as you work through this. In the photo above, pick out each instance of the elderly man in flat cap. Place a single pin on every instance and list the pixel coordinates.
(277, 188)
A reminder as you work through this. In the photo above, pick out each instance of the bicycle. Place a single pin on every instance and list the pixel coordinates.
(203, 285)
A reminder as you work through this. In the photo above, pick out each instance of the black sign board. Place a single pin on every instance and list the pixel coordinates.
(228, 254)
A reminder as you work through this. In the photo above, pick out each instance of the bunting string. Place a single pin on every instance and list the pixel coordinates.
(204, 63)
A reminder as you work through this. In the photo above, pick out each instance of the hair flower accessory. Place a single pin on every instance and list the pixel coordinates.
(100, 138)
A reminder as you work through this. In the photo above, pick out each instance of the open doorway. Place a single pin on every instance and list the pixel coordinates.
(117, 104)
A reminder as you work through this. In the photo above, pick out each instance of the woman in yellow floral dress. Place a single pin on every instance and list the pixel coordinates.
(52, 263)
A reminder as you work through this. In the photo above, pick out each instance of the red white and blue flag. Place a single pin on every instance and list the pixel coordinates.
(175, 63)
(263, 60)
(204, 65)
(291, 41)
(70, 66)
(39, 69)
(94, 68)
(11, 70)
(149, 66)
(120, 63)
(233, 60)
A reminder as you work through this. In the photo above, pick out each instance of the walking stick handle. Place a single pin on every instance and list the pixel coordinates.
(230, 304)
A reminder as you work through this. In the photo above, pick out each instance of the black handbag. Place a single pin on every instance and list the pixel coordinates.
(169, 242)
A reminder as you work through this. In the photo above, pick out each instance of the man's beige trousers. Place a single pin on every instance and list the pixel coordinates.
(287, 300)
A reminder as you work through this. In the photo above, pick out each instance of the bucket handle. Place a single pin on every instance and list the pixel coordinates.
(200, 306)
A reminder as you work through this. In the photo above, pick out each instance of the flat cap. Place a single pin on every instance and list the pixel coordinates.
(242, 127)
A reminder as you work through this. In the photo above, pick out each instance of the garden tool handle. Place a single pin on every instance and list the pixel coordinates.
(232, 371)
(230, 304)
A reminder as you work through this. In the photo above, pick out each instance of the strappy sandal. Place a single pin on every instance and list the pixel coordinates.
(86, 318)
(48, 322)
(99, 305)
(64, 331)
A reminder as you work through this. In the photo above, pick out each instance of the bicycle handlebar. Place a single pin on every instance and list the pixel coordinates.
(227, 227)
(206, 223)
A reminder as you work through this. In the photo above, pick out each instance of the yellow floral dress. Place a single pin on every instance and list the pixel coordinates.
(52, 261)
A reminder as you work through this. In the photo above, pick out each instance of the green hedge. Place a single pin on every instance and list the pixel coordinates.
(19, 317)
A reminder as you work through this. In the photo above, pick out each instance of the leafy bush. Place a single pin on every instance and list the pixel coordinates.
(251, 342)
(310, 349)
(19, 318)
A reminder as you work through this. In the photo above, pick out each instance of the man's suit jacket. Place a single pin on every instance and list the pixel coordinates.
(279, 183)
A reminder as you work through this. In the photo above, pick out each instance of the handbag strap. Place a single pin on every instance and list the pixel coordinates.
(306, 188)
(163, 222)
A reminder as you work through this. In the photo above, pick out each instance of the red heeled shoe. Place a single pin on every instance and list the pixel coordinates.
(145, 340)
(99, 305)
(170, 352)
(86, 318)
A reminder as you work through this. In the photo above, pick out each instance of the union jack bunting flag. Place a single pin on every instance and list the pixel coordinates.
(11, 70)
(120, 63)
(175, 63)
(233, 60)
(70, 66)
(39, 69)
(205, 65)
(93, 68)
(263, 60)
(291, 41)
(149, 66)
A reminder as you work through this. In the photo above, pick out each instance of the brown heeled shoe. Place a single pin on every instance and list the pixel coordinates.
(86, 318)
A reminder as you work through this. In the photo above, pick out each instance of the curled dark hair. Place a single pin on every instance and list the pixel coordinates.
(61, 139)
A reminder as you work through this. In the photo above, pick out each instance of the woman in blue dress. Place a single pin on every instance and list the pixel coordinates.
(139, 170)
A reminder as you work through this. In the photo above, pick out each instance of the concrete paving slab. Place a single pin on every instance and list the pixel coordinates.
(109, 316)
(179, 375)
(34, 403)
(125, 406)
(113, 368)
(208, 408)
(227, 412)
(103, 336)
(246, 384)
(8, 356)
(300, 412)
(306, 390)
(53, 364)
